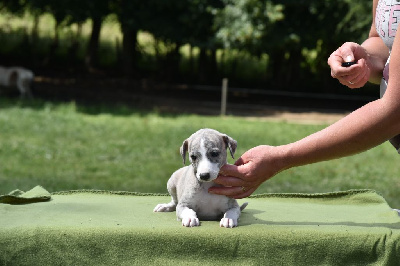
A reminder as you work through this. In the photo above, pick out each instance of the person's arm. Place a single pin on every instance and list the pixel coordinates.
(361, 130)
(378, 54)
(366, 127)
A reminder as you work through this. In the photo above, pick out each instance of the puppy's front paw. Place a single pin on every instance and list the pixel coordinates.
(164, 207)
(228, 223)
(190, 221)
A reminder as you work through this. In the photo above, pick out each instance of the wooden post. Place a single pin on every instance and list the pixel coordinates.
(224, 96)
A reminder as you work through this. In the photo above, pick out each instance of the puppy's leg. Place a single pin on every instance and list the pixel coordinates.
(169, 207)
(188, 216)
(231, 217)
(165, 207)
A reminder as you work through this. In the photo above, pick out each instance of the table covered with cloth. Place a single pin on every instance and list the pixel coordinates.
(88, 227)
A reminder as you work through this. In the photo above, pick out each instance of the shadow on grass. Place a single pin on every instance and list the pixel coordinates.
(115, 109)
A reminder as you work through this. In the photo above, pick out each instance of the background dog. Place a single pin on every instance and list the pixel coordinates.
(18, 77)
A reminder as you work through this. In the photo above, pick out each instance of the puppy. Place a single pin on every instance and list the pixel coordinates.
(19, 77)
(189, 185)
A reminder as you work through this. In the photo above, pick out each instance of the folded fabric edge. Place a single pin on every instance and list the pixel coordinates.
(36, 194)
(8, 199)
(110, 192)
(316, 195)
(263, 195)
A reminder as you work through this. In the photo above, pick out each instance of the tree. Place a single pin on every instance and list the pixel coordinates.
(59, 10)
(247, 25)
(243, 24)
(285, 29)
(186, 22)
(297, 36)
(133, 16)
(96, 11)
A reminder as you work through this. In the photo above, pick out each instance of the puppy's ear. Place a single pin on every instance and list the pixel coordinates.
(183, 150)
(231, 144)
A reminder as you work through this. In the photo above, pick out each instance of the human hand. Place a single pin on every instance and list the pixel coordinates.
(253, 168)
(354, 76)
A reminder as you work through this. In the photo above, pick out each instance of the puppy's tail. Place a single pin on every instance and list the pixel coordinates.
(243, 206)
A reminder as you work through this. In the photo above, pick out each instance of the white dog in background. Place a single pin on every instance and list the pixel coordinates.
(19, 77)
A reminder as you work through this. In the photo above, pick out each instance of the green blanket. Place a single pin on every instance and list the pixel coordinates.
(120, 228)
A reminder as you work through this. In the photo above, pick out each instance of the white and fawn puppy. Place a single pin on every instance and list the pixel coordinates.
(189, 185)
(18, 77)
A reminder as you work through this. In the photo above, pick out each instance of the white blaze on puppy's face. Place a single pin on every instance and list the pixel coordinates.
(205, 165)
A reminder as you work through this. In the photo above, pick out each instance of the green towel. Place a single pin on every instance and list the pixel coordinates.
(120, 228)
(36, 194)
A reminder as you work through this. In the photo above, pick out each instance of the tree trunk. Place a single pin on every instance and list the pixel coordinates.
(53, 46)
(91, 59)
(275, 69)
(34, 38)
(175, 61)
(74, 48)
(213, 66)
(191, 61)
(128, 50)
(35, 28)
(293, 70)
(202, 65)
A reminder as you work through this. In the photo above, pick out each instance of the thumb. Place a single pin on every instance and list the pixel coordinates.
(348, 57)
(240, 161)
(229, 170)
(347, 52)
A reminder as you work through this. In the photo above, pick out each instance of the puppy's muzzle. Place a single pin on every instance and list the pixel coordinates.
(205, 176)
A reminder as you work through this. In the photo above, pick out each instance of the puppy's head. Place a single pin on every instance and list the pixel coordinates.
(207, 152)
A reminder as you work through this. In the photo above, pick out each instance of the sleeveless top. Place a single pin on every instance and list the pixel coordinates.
(386, 21)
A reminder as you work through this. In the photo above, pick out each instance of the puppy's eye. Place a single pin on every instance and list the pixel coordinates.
(214, 154)
(193, 157)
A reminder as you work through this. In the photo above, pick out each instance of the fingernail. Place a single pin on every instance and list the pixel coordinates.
(349, 58)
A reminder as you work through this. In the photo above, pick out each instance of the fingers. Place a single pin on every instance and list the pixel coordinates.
(342, 54)
(231, 176)
(246, 175)
(354, 76)
(244, 194)
(230, 181)
(236, 192)
(233, 183)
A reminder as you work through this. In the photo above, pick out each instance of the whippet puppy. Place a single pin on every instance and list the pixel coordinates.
(188, 186)
(19, 77)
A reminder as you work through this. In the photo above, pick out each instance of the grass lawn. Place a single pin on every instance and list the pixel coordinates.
(64, 146)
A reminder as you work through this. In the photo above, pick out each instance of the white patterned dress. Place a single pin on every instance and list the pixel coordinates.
(386, 22)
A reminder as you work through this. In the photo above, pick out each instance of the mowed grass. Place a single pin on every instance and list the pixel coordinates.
(65, 146)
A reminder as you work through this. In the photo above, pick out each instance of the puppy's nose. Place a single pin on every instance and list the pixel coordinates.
(205, 176)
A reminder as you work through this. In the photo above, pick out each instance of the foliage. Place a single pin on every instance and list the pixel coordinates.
(243, 24)
(296, 36)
